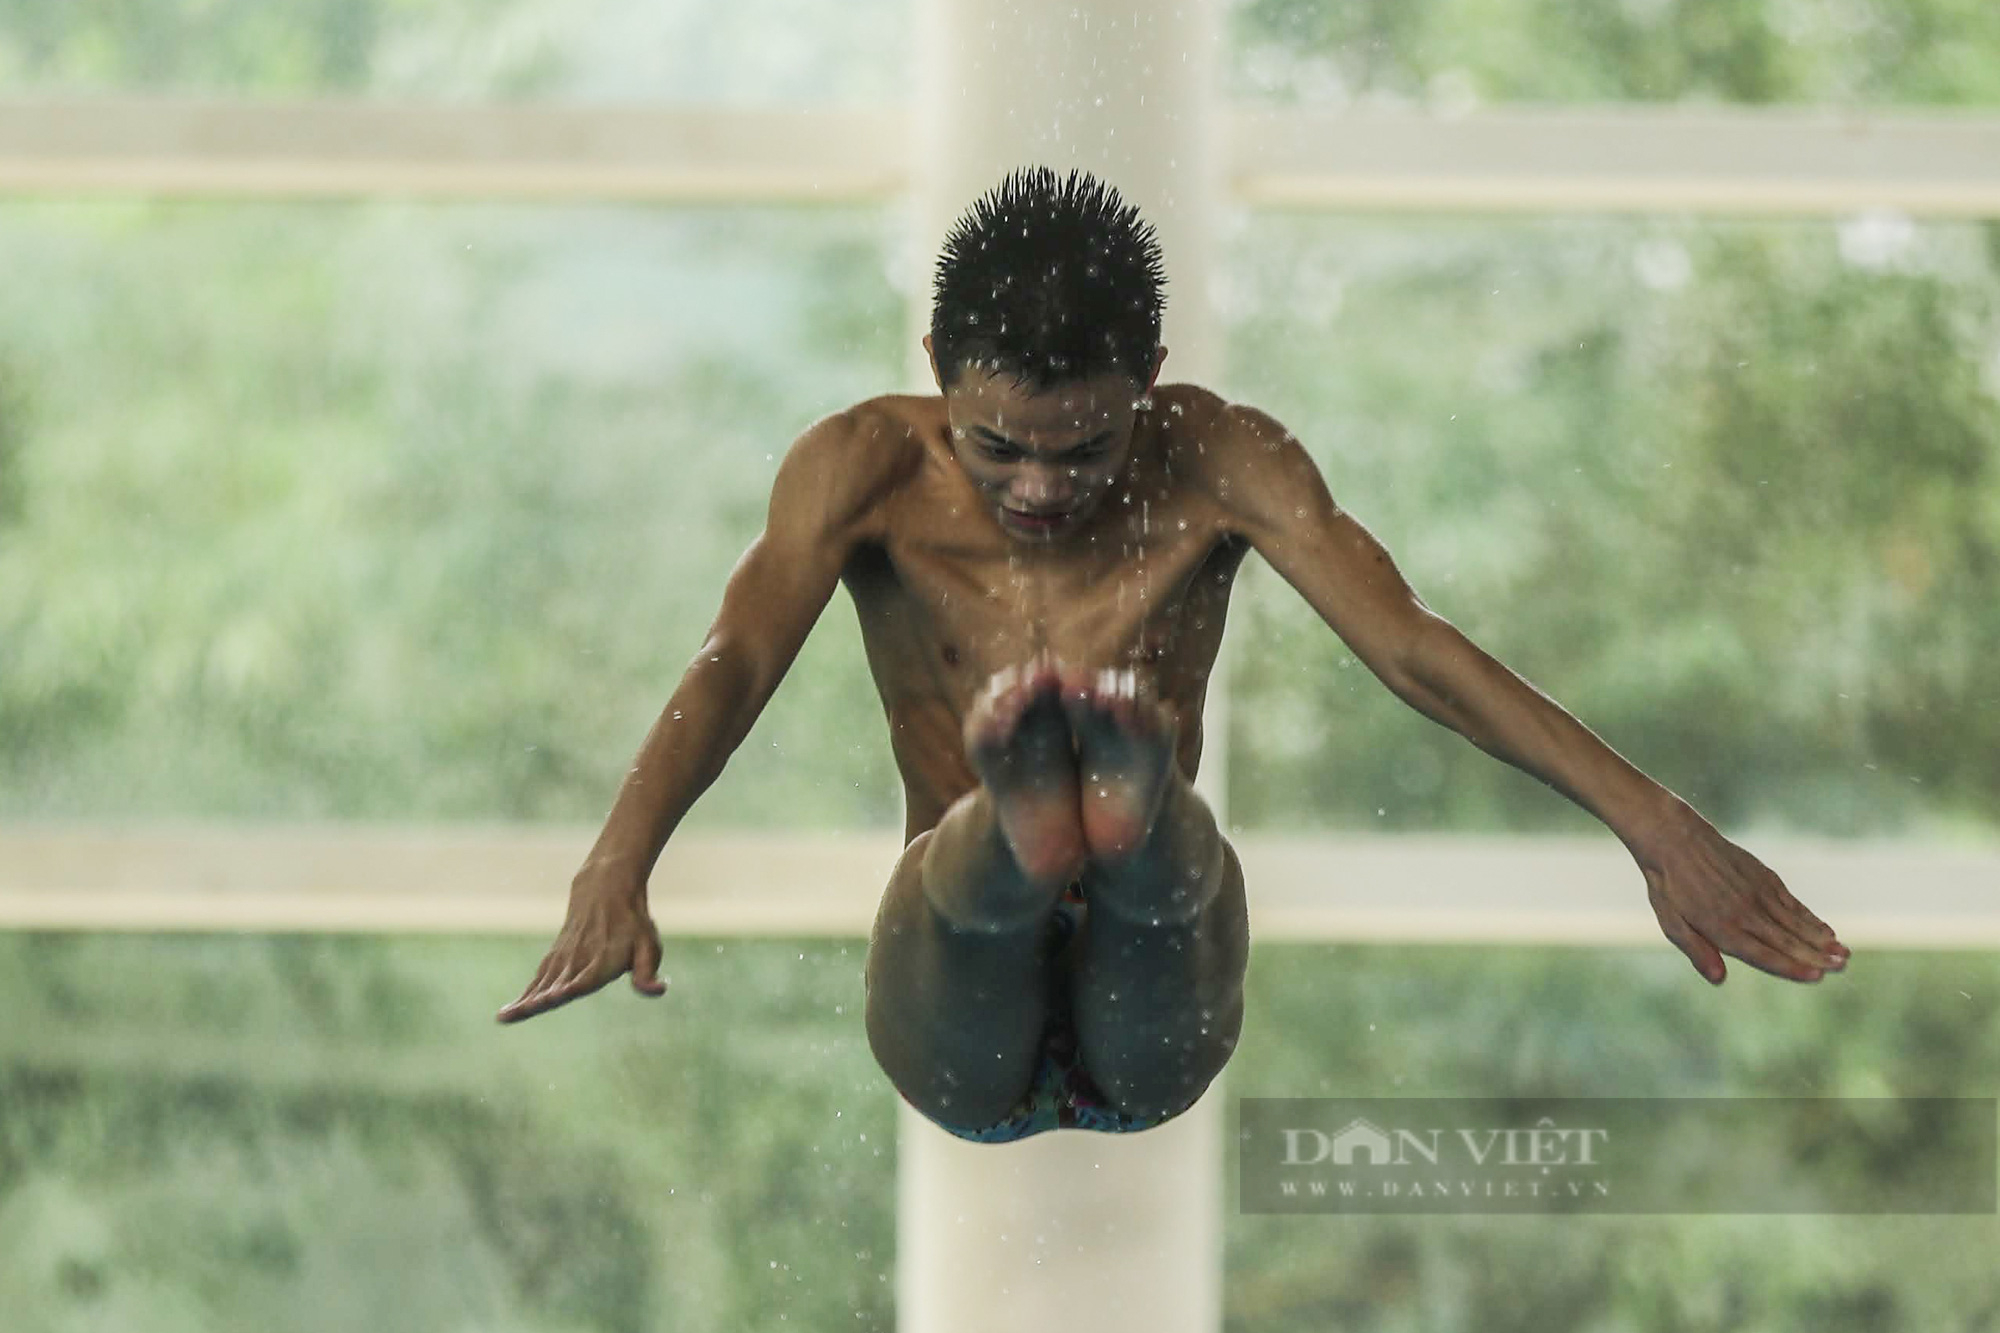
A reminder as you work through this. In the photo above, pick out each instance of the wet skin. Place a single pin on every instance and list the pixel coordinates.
(1004, 547)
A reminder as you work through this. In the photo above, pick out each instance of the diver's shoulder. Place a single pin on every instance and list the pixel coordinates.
(1198, 405)
(911, 414)
(849, 466)
(873, 441)
(1202, 430)
(1190, 398)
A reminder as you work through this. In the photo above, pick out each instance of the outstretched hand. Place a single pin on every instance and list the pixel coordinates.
(1714, 898)
(605, 935)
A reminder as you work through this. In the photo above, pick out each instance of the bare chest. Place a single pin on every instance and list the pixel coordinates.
(942, 612)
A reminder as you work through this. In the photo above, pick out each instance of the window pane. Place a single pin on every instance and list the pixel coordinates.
(238, 1134)
(395, 511)
(1726, 490)
(1525, 1022)
(743, 51)
(1454, 53)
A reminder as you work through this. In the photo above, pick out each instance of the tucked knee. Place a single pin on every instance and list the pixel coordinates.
(1165, 1073)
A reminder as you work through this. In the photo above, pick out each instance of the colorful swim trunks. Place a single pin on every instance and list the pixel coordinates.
(1062, 1095)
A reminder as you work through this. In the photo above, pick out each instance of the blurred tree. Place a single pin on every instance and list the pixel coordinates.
(1364, 1022)
(412, 511)
(1725, 491)
(235, 1133)
(392, 511)
(1873, 52)
(782, 51)
(13, 438)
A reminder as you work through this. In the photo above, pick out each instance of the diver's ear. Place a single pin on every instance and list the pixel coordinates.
(1158, 361)
(930, 355)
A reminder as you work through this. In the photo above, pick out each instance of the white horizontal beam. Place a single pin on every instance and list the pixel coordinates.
(1624, 160)
(471, 880)
(1588, 891)
(325, 148)
(1559, 160)
(1465, 890)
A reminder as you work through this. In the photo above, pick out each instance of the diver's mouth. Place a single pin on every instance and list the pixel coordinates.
(1035, 522)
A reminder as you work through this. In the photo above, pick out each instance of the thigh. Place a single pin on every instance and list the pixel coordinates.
(955, 1018)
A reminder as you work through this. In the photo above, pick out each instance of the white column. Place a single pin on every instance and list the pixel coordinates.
(1121, 88)
(1071, 1229)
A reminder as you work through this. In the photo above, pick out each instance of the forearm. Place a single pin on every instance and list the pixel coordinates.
(1451, 680)
(707, 717)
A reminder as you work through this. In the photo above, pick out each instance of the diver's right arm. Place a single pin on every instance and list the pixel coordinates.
(824, 502)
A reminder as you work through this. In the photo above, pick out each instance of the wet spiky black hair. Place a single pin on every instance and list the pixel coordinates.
(1048, 279)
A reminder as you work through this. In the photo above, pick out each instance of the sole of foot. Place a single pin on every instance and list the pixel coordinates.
(1017, 739)
(1125, 753)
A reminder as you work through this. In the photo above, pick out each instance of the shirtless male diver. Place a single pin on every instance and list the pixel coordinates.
(1041, 557)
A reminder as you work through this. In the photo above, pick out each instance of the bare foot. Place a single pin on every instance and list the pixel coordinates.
(1125, 753)
(1018, 742)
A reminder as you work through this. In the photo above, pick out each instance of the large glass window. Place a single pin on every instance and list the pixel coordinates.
(1454, 54)
(748, 51)
(229, 1134)
(413, 512)
(1726, 490)
(408, 511)
(1495, 1023)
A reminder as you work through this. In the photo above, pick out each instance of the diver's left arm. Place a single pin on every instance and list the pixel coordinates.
(1711, 897)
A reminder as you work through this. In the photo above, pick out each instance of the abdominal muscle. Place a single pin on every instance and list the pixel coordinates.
(929, 685)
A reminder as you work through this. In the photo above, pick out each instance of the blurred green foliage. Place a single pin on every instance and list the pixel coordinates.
(223, 1134)
(747, 51)
(1451, 53)
(1445, 52)
(206, 1135)
(1496, 1022)
(1725, 490)
(383, 510)
(414, 512)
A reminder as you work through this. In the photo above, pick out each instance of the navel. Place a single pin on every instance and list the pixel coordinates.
(950, 655)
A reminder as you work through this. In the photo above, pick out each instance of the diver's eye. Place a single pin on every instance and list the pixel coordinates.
(1000, 453)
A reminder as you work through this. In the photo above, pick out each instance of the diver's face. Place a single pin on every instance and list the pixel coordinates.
(1044, 459)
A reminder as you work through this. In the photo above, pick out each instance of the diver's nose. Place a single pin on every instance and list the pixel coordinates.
(1042, 487)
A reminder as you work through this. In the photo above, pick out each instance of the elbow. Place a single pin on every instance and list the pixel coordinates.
(1426, 647)
(730, 671)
